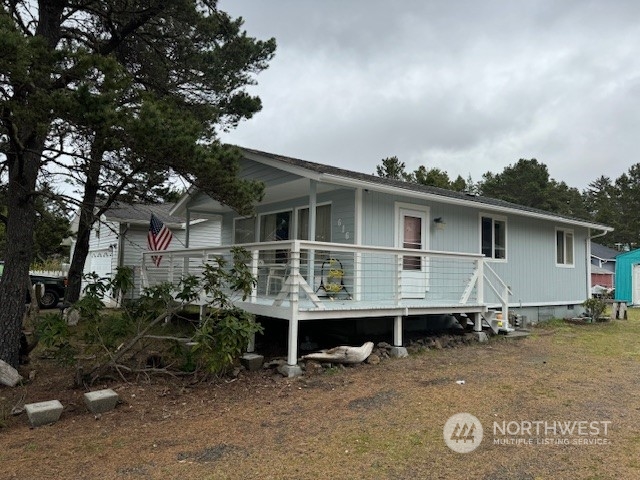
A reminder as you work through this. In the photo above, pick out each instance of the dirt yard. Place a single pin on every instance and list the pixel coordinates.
(367, 422)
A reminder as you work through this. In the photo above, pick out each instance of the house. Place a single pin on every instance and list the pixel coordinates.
(627, 281)
(332, 244)
(120, 236)
(603, 265)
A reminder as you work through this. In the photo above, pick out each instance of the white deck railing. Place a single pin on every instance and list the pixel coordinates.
(310, 276)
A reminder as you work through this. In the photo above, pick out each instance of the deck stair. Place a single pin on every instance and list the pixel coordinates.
(493, 319)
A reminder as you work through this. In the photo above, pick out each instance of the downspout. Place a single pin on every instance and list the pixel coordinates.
(588, 257)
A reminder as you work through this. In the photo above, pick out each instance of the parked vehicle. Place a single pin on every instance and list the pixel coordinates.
(54, 289)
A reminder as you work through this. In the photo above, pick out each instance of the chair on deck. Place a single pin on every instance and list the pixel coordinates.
(276, 274)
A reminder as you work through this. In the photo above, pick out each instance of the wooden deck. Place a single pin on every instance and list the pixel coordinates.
(365, 282)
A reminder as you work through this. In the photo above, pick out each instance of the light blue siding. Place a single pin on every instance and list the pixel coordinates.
(530, 269)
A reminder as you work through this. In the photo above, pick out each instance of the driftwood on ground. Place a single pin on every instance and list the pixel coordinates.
(342, 354)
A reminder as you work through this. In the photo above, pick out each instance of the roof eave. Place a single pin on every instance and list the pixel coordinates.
(364, 184)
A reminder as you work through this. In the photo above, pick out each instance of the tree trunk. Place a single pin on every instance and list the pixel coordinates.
(85, 222)
(80, 253)
(21, 216)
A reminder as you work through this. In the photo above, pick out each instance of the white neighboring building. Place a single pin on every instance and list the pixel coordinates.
(119, 238)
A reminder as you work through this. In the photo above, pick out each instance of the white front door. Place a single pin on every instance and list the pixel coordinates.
(635, 285)
(412, 233)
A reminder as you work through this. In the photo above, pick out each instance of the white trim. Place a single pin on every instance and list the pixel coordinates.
(517, 305)
(357, 238)
(347, 182)
(296, 211)
(340, 180)
(274, 212)
(416, 208)
(564, 243)
(409, 276)
(499, 218)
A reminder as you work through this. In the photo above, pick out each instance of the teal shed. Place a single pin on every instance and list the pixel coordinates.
(628, 277)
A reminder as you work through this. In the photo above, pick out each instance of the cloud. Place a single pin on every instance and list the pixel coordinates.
(465, 86)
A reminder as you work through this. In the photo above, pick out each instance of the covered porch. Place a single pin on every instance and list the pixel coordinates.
(300, 280)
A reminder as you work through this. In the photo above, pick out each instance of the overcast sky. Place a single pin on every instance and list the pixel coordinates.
(465, 86)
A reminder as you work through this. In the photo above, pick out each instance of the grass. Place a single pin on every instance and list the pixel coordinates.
(367, 422)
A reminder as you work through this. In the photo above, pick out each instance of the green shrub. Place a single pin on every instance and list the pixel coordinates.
(594, 308)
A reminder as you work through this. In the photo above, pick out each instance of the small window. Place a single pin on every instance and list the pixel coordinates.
(494, 237)
(564, 247)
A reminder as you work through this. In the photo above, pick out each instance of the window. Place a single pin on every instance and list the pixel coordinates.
(564, 247)
(494, 237)
(275, 226)
(244, 230)
(412, 238)
(323, 223)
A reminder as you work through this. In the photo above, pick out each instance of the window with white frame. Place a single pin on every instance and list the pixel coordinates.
(494, 237)
(323, 223)
(564, 247)
(275, 226)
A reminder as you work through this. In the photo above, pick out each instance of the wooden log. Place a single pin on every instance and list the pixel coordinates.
(9, 376)
(342, 354)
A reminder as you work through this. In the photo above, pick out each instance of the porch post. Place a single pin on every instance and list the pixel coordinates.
(313, 203)
(291, 369)
(292, 345)
(477, 322)
(397, 331)
(255, 253)
(398, 350)
(357, 240)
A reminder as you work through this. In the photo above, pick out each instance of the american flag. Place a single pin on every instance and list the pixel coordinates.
(159, 238)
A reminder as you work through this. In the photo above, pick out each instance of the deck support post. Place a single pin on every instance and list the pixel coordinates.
(477, 322)
(291, 368)
(397, 331)
(398, 350)
(292, 342)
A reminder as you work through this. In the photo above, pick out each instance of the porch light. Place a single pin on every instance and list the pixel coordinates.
(440, 223)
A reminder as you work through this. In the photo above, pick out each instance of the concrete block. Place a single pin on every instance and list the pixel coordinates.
(101, 400)
(252, 361)
(43, 413)
(398, 352)
(290, 370)
(481, 336)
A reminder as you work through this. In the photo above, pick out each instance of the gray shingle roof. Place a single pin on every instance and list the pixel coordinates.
(331, 170)
(139, 212)
(602, 252)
